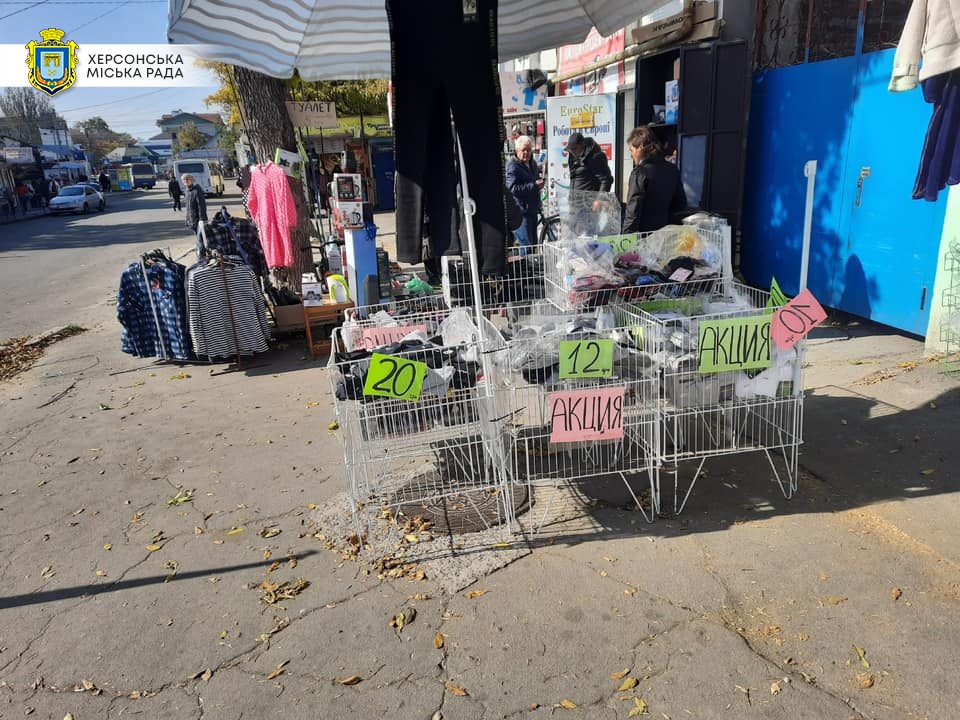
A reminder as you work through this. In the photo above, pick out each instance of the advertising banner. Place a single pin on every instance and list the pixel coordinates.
(518, 97)
(594, 116)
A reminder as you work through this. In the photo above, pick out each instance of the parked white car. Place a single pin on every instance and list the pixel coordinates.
(77, 198)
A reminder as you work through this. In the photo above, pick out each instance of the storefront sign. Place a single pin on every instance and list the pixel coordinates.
(594, 414)
(594, 48)
(312, 114)
(586, 359)
(18, 155)
(369, 338)
(741, 343)
(566, 115)
(793, 321)
(393, 377)
(519, 98)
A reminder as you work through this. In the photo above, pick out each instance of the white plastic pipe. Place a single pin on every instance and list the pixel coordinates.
(810, 172)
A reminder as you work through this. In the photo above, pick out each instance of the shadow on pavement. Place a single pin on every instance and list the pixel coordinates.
(91, 590)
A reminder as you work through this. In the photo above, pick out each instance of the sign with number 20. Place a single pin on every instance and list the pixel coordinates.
(394, 377)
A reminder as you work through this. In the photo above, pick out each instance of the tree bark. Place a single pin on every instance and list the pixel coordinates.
(264, 113)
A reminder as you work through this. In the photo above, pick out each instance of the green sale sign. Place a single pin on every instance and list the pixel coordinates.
(586, 359)
(394, 377)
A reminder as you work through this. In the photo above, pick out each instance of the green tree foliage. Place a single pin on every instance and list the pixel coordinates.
(97, 138)
(189, 137)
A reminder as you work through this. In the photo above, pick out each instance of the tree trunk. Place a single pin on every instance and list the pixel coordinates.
(262, 107)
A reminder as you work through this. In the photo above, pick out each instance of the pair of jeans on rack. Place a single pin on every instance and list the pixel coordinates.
(444, 58)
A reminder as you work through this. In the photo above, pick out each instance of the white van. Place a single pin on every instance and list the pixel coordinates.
(206, 173)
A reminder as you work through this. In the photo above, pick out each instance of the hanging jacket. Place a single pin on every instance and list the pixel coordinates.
(591, 171)
(227, 311)
(932, 33)
(522, 183)
(158, 328)
(273, 208)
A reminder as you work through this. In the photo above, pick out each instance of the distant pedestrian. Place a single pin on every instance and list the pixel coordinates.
(21, 192)
(104, 182)
(524, 183)
(173, 187)
(53, 188)
(196, 202)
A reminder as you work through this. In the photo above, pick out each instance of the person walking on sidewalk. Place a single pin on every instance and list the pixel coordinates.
(524, 183)
(196, 202)
(173, 188)
(104, 181)
(53, 189)
(22, 197)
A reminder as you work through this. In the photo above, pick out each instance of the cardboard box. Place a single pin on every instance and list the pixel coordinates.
(289, 317)
(672, 97)
(702, 12)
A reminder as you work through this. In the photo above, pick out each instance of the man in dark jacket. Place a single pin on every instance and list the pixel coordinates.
(104, 180)
(524, 183)
(589, 169)
(173, 188)
(196, 202)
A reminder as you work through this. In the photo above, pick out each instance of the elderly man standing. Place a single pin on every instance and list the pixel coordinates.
(524, 183)
(196, 202)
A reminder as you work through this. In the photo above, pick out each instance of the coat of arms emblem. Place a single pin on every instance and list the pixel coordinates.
(52, 62)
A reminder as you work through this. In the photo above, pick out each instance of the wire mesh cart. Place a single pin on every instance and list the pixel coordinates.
(580, 397)
(725, 386)
(417, 406)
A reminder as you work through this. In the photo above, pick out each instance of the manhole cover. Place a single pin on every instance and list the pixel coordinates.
(465, 512)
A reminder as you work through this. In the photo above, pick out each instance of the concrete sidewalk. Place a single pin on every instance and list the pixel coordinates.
(116, 600)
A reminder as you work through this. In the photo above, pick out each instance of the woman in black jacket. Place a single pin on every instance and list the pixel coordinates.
(655, 192)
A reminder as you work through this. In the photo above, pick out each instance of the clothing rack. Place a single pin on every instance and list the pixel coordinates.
(238, 365)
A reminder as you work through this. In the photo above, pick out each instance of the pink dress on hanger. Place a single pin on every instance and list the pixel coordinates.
(274, 211)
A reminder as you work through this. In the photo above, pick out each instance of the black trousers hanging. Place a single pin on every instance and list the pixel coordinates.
(444, 55)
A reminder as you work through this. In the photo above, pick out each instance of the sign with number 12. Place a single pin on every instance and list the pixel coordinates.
(586, 359)
(394, 377)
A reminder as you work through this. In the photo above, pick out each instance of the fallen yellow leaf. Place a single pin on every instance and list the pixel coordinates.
(456, 690)
(352, 680)
(775, 688)
(311, 506)
(895, 593)
(108, 547)
(207, 674)
(101, 573)
(235, 531)
(835, 600)
(865, 680)
(639, 708)
(438, 641)
(474, 594)
(620, 675)
(278, 671)
(862, 654)
(629, 684)
(154, 547)
(568, 704)
(411, 538)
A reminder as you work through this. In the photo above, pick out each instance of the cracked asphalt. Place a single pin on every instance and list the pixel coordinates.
(115, 603)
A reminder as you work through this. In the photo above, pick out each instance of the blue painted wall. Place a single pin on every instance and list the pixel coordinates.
(873, 259)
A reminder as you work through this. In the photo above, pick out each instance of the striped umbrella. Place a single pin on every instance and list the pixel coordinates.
(350, 39)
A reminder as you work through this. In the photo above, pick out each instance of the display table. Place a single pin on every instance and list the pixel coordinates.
(328, 316)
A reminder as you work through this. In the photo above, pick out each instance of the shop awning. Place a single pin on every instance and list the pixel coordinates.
(347, 40)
